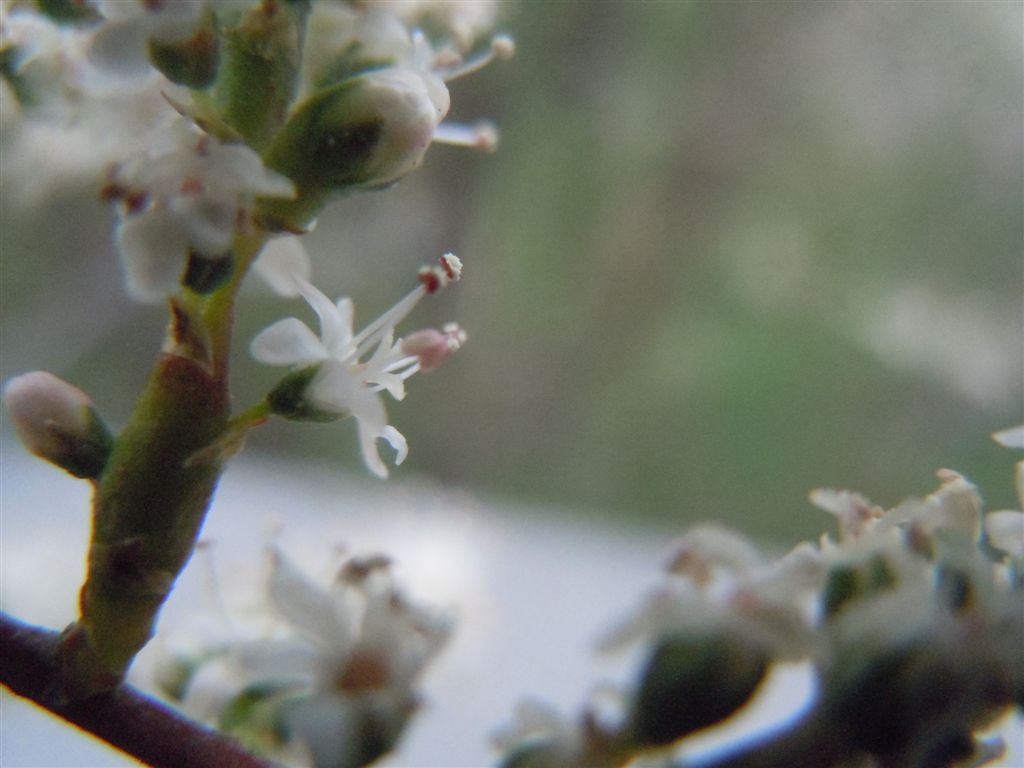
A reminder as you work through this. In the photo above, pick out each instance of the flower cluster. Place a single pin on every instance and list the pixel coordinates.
(331, 378)
(884, 614)
(330, 678)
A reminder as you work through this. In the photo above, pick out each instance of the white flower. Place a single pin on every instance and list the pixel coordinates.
(344, 383)
(188, 193)
(353, 653)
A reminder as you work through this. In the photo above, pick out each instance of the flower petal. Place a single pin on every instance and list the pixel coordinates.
(1005, 530)
(1010, 438)
(281, 262)
(305, 606)
(398, 442)
(335, 319)
(153, 249)
(287, 342)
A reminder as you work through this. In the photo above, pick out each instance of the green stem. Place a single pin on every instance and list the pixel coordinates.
(251, 417)
(219, 309)
(152, 497)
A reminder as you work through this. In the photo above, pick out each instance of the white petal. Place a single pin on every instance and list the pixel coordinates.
(153, 250)
(1010, 438)
(281, 262)
(335, 325)
(398, 442)
(336, 388)
(237, 169)
(287, 342)
(119, 48)
(210, 223)
(278, 660)
(1005, 530)
(305, 606)
(368, 445)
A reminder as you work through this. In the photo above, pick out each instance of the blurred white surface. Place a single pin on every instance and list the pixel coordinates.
(532, 591)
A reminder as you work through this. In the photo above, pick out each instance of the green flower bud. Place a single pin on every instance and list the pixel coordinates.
(366, 132)
(288, 398)
(258, 78)
(192, 62)
(57, 422)
(691, 681)
(69, 11)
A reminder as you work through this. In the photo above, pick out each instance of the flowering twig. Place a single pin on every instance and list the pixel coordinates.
(124, 718)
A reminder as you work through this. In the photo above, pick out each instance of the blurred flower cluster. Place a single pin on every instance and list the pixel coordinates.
(912, 618)
(320, 675)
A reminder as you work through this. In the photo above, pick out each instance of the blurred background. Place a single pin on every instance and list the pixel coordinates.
(726, 253)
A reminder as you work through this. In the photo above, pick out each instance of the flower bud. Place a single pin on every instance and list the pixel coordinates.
(193, 61)
(68, 11)
(57, 422)
(691, 681)
(432, 347)
(258, 76)
(367, 132)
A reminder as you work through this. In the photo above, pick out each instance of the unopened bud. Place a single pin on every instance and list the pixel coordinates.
(433, 347)
(193, 61)
(365, 132)
(691, 681)
(57, 422)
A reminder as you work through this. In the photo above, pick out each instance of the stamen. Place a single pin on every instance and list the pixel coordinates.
(432, 279)
(367, 337)
(452, 266)
(482, 135)
(502, 47)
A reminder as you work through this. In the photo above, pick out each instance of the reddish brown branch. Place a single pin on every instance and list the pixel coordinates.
(124, 718)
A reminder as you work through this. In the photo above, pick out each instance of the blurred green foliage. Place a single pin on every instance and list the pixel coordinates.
(726, 253)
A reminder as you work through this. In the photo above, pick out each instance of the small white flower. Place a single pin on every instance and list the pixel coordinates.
(955, 506)
(187, 193)
(345, 383)
(351, 651)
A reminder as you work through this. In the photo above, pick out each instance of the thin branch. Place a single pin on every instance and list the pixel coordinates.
(124, 718)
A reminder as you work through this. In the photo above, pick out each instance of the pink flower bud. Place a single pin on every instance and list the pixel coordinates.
(432, 346)
(56, 421)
